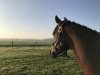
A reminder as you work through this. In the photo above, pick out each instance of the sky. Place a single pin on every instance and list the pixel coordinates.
(35, 19)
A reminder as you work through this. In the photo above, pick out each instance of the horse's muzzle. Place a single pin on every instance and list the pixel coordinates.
(53, 53)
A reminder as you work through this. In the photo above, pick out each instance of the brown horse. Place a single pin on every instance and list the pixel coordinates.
(84, 41)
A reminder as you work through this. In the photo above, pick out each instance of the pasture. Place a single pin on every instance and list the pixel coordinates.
(34, 60)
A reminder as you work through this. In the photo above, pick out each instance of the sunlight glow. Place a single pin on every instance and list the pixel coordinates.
(5, 33)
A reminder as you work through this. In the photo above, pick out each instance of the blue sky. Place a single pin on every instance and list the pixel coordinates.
(34, 19)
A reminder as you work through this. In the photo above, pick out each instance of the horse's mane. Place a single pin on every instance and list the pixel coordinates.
(80, 27)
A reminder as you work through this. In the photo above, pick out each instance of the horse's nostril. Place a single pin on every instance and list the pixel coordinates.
(53, 52)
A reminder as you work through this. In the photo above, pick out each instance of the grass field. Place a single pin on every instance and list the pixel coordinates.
(35, 61)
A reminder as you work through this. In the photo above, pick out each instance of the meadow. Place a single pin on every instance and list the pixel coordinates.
(35, 60)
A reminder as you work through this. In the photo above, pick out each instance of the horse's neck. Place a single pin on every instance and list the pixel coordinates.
(86, 53)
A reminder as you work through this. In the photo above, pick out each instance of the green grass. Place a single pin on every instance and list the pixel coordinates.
(35, 61)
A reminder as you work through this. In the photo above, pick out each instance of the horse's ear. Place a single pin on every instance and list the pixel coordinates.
(65, 19)
(57, 19)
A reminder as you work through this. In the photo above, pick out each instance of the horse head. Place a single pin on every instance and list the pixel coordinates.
(61, 39)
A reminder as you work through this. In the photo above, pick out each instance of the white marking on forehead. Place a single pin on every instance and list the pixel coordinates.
(60, 29)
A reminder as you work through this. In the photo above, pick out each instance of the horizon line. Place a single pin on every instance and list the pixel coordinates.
(28, 38)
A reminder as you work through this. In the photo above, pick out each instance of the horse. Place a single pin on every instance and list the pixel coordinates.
(84, 42)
